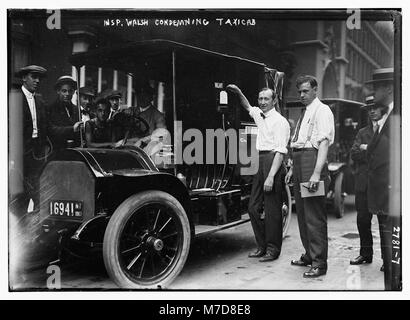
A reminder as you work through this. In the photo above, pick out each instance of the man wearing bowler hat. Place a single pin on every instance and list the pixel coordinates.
(358, 153)
(34, 136)
(64, 120)
(378, 156)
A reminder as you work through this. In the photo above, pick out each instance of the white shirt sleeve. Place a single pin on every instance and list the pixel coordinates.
(325, 125)
(255, 113)
(282, 135)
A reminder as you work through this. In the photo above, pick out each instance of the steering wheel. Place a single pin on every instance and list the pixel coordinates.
(130, 123)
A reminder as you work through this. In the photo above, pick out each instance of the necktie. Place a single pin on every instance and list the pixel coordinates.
(263, 115)
(376, 131)
(295, 138)
(68, 112)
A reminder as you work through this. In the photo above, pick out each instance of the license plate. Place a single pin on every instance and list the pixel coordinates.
(66, 208)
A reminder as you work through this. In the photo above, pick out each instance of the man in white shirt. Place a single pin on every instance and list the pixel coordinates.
(310, 144)
(271, 143)
(34, 135)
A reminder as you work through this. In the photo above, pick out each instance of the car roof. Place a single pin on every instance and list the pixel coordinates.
(298, 104)
(118, 56)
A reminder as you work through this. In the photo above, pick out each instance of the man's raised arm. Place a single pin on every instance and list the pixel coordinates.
(242, 99)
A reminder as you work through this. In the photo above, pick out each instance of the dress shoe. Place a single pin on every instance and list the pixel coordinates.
(382, 268)
(269, 256)
(314, 272)
(301, 262)
(257, 254)
(361, 260)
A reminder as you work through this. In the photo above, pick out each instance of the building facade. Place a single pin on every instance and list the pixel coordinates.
(342, 59)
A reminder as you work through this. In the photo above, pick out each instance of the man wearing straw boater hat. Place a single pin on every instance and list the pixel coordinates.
(378, 157)
(358, 153)
(34, 128)
(64, 120)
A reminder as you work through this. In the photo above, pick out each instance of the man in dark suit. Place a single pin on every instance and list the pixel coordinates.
(359, 156)
(34, 137)
(114, 97)
(64, 120)
(378, 156)
(87, 103)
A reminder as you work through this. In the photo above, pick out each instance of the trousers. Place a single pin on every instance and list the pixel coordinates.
(311, 211)
(268, 232)
(389, 226)
(364, 225)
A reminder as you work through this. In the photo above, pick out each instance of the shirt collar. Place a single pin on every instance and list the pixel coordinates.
(391, 105)
(145, 109)
(313, 103)
(270, 112)
(27, 93)
(384, 117)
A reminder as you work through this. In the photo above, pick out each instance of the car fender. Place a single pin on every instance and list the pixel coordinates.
(123, 184)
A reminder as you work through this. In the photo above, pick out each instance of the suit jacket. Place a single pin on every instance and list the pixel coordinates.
(378, 157)
(61, 125)
(28, 142)
(364, 136)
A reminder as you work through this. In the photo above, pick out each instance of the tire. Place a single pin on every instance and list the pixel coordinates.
(339, 199)
(147, 241)
(286, 212)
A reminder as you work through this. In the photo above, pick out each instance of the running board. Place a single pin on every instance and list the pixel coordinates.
(203, 230)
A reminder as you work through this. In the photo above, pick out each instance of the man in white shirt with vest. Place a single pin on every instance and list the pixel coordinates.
(310, 143)
(271, 143)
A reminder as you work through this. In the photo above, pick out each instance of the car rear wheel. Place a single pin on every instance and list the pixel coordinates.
(339, 197)
(286, 211)
(147, 241)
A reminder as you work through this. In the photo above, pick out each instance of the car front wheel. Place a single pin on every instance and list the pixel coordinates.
(147, 241)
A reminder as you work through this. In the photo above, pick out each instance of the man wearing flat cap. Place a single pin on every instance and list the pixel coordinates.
(86, 103)
(378, 157)
(64, 120)
(35, 147)
(358, 153)
(114, 97)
